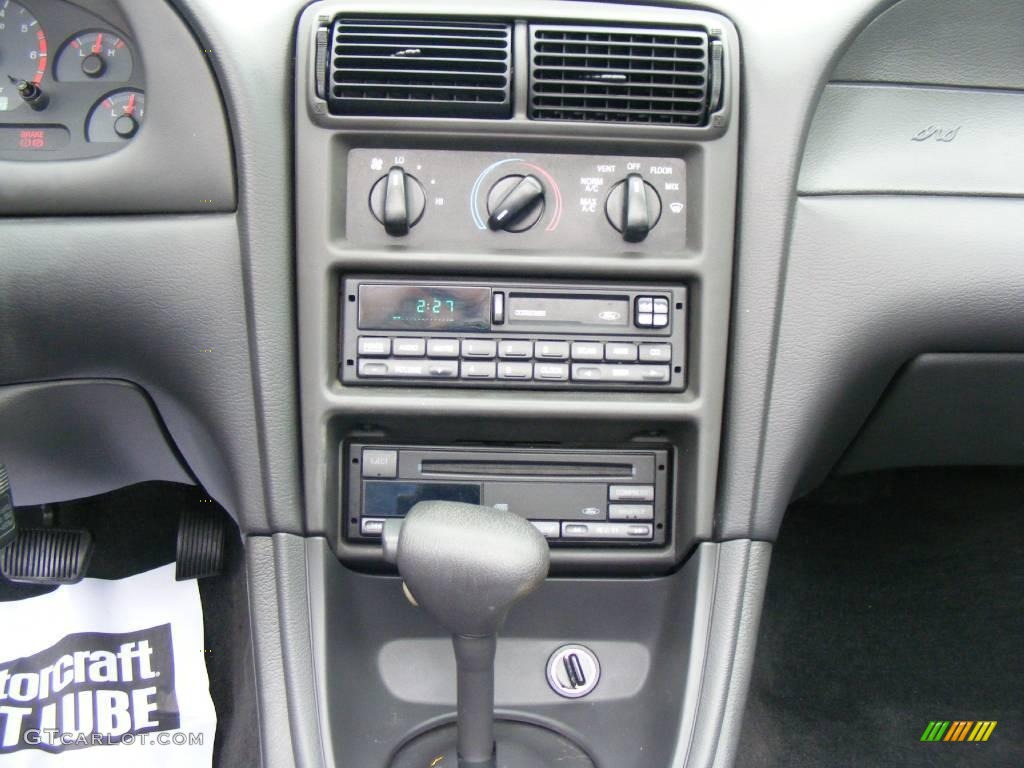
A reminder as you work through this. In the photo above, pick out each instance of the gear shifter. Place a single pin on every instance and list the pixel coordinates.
(466, 565)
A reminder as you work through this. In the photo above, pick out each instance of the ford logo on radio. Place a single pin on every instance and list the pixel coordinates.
(610, 316)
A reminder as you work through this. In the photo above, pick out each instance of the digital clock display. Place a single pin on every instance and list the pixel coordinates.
(424, 308)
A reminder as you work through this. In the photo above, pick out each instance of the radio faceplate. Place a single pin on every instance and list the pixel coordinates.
(513, 334)
(610, 498)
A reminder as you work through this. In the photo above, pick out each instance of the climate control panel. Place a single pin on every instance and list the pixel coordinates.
(485, 201)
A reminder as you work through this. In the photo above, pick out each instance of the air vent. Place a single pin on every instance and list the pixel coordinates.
(619, 75)
(420, 68)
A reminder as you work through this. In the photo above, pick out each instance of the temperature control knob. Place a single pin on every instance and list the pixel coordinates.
(515, 203)
(633, 208)
(397, 201)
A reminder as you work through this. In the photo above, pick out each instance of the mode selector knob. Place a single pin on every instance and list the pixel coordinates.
(397, 201)
(633, 208)
(515, 203)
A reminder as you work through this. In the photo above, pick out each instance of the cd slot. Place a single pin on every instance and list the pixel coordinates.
(549, 469)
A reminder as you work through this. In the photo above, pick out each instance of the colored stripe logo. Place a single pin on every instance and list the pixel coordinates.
(958, 730)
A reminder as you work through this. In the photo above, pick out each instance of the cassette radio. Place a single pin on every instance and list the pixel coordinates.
(505, 334)
(592, 498)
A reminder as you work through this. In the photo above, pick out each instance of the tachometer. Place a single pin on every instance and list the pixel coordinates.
(22, 51)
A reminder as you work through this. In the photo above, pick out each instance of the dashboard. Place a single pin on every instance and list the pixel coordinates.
(642, 274)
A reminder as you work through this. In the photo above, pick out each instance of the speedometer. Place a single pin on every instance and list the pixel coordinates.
(22, 51)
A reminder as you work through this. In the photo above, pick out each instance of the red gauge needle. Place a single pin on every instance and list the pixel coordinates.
(98, 45)
(130, 106)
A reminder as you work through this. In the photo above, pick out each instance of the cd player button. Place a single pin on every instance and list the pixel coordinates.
(550, 528)
(380, 463)
(645, 320)
(371, 526)
(655, 353)
(576, 530)
(409, 347)
(478, 370)
(443, 369)
(523, 371)
(479, 348)
(644, 531)
(374, 347)
(631, 493)
(372, 368)
(515, 349)
(630, 511)
(442, 347)
(587, 350)
(551, 371)
(620, 352)
(552, 350)
(587, 372)
(660, 306)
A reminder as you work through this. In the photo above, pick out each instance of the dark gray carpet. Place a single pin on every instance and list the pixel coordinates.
(893, 599)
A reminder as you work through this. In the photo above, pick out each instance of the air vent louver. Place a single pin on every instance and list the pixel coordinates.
(618, 75)
(420, 68)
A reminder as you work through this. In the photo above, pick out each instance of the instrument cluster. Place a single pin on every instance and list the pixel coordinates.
(71, 83)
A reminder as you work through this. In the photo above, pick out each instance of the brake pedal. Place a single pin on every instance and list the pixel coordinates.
(200, 545)
(50, 556)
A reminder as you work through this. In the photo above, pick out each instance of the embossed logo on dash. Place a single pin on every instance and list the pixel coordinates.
(937, 133)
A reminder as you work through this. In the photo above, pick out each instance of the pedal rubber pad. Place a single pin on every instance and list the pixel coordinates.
(200, 545)
(8, 527)
(47, 556)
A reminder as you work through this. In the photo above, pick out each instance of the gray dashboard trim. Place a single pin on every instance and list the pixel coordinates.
(253, 76)
(181, 159)
(941, 42)
(927, 274)
(63, 440)
(913, 139)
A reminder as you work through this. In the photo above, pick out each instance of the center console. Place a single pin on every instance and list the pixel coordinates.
(514, 260)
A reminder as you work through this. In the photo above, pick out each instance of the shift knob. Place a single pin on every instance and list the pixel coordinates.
(466, 565)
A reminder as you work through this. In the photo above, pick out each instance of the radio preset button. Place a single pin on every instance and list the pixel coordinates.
(660, 321)
(380, 463)
(551, 371)
(479, 348)
(409, 347)
(374, 346)
(552, 350)
(478, 370)
(587, 350)
(631, 493)
(371, 526)
(442, 347)
(619, 352)
(630, 511)
(660, 306)
(522, 371)
(645, 320)
(645, 304)
(655, 353)
(515, 349)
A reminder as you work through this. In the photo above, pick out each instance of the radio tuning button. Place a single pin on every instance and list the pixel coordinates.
(633, 208)
(397, 201)
(515, 203)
